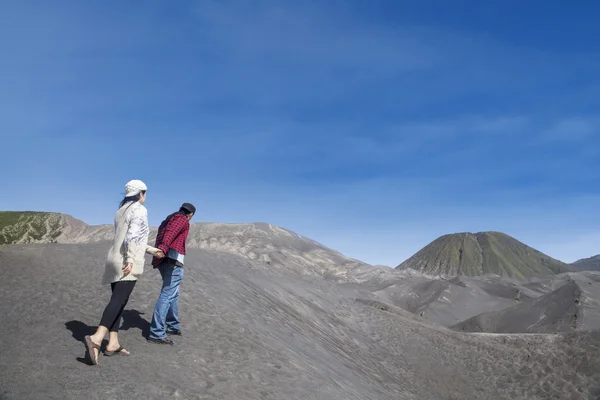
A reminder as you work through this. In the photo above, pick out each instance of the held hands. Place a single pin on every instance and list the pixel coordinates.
(127, 268)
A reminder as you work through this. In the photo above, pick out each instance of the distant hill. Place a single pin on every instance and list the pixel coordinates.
(587, 264)
(273, 246)
(473, 254)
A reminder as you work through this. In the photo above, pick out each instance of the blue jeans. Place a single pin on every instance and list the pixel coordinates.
(166, 311)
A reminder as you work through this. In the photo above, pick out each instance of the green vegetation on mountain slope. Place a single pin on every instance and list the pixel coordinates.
(29, 227)
(482, 253)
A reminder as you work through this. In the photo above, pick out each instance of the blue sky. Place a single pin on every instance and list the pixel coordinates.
(372, 127)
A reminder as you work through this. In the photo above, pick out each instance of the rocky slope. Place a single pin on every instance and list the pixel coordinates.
(587, 264)
(468, 254)
(273, 247)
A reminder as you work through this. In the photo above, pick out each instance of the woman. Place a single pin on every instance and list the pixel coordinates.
(124, 263)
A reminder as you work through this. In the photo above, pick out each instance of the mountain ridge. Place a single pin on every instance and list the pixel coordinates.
(457, 254)
(273, 246)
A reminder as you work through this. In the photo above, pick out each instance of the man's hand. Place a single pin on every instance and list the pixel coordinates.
(159, 254)
(127, 268)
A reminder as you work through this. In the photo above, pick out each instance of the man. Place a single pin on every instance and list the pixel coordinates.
(171, 237)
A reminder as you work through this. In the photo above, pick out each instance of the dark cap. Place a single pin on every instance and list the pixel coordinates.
(189, 207)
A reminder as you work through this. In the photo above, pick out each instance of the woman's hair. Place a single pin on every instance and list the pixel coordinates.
(131, 198)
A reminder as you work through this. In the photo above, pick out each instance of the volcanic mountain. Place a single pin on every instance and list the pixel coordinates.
(473, 254)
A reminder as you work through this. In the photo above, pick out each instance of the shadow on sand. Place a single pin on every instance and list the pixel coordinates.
(134, 319)
(131, 319)
(79, 330)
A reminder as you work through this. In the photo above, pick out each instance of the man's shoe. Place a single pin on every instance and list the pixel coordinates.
(160, 341)
(176, 332)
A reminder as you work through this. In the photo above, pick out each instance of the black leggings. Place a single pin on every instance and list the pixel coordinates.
(111, 318)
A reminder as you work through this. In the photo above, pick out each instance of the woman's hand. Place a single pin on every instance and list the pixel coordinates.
(159, 254)
(127, 268)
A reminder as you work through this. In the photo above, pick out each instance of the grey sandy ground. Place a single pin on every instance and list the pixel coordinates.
(542, 304)
(573, 306)
(254, 334)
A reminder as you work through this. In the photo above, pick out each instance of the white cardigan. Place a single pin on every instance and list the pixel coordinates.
(130, 243)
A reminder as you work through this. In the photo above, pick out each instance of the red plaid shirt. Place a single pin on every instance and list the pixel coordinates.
(172, 234)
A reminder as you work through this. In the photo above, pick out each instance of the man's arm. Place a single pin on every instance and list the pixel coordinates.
(174, 227)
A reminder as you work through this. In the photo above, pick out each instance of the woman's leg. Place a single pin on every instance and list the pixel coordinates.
(113, 338)
(112, 313)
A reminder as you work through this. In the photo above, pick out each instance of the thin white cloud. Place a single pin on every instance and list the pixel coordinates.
(573, 129)
(309, 34)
